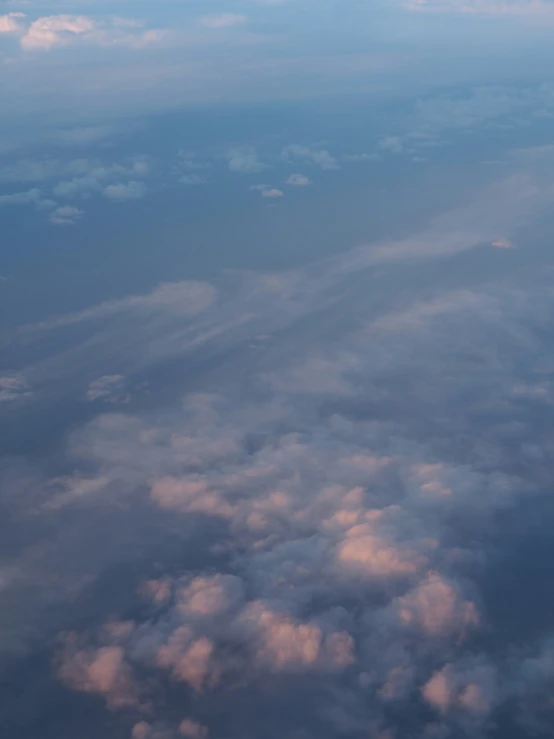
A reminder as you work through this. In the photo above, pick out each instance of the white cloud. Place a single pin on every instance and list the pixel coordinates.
(319, 157)
(100, 178)
(65, 215)
(298, 180)
(22, 198)
(193, 179)
(48, 32)
(362, 157)
(132, 190)
(392, 144)
(12, 23)
(245, 161)
(13, 387)
(266, 191)
(31, 170)
(107, 387)
(224, 20)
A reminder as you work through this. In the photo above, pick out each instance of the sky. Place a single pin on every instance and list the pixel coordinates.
(276, 369)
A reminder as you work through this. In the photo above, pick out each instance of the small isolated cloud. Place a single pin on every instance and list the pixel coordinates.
(193, 179)
(65, 215)
(245, 161)
(191, 171)
(108, 387)
(266, 191)
(392, 144)
(224, 20)
(132, 190)
(364, 157)
(298, 180)
(502, 244)
(13, 387)
(319, 157)
(12, 23)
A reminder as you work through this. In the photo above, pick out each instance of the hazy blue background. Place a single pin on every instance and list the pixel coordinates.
(276, 369)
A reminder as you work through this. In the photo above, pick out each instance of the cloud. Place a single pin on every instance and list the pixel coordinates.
(180, 298)
(298, 180)
(319, 157)
(266, 191)
(319, 514)
(362, 158)
(132, 190)
(108, 387)
(192, 729)
(517, 8)
(99, 178)
(33, 196)
(12, 23)
(103, 671)
(224, 20)
(31, 170)
(392, 144)
(13, 387)
(65, 215)
(193, 179)
(49, 31)
(245, 161)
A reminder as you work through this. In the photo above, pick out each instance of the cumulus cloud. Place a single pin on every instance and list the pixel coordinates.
(12, 23)
(318, 516)
(391, 143)
(132, 190)
(66, 215)
(298, 180)
(103, 671)
(99, 178)
(319, 157)
(245, 161)
(48, 32)
(266, 191)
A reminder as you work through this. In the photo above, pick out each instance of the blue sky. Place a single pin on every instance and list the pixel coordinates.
(277, 375)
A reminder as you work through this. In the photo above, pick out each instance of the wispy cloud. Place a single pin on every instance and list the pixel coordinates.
(224, 20)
